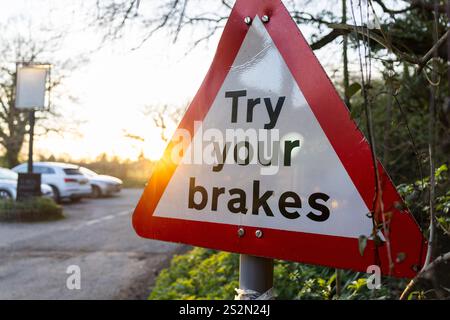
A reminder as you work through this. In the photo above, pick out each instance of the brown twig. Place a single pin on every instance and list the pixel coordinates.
(375, 36)
(423, 61)
(423, 273)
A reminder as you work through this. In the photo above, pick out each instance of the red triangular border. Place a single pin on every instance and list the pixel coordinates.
(347, 140)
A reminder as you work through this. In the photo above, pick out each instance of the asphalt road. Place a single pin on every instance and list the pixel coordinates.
(98, 237)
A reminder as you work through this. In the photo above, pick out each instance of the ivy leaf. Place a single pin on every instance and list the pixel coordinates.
(362, 244)
(439, 171)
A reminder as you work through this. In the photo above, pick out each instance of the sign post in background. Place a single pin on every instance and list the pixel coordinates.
(28, 186)
(31, 88)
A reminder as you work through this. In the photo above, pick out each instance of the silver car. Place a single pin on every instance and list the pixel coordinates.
(65, 179)
(102, 185)
(8, 185)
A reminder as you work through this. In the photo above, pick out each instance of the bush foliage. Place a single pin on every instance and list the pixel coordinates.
(208, 274)
(198, 274)
(35, 209)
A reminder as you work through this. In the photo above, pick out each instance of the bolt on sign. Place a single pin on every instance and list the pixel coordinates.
(268, 162)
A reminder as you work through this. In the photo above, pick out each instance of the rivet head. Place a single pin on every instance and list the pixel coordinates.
(248, 20)
(265, 18)
(241, 232)
(258, 233)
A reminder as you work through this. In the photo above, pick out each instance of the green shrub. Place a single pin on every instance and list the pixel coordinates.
(35, 209)
(198, 274)
(208, 274)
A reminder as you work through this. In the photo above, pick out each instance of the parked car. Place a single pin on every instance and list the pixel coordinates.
(102, 185)
(66, 180)
(8, 185)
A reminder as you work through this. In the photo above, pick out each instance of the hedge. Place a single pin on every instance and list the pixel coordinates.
(208, 274)
(34, 209)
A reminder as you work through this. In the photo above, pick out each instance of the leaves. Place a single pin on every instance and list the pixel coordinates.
(198, 274)
(353, 89)
(362, 244)
(439, 173)
(208, 274)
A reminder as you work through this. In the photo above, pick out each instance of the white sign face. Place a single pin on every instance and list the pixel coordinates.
(30, 87)
(304, 189)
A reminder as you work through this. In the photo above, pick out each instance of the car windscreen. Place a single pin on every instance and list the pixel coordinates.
(88, 172)
(72, 171)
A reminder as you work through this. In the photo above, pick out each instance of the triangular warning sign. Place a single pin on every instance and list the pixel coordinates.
(268, 162)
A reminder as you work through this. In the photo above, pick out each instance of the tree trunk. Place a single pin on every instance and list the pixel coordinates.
(13, 147)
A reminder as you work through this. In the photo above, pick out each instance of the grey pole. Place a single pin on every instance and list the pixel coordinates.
(30, 145)
(255, 273)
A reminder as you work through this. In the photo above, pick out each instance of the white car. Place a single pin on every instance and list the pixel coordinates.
(102, 185)
(66, 180)
(8, 185)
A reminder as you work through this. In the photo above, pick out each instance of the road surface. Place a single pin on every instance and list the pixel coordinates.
(97, 236)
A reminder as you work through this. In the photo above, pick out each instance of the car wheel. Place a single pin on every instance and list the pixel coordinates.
(96, 192)
(4, 194)
(56, 195)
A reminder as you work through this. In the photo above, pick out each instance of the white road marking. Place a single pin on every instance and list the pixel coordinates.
(91, 222)
(108, 217)
(123, 213)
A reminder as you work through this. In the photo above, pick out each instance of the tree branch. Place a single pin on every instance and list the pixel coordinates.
(377, 37)
(327, 39)
(423, 274)
(391, 11)
(423, 61)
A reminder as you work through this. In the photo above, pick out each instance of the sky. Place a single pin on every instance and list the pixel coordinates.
(114, 86)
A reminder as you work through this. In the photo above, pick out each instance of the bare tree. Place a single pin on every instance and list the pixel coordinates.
(163, 117)
(27, 47)
(177, 16)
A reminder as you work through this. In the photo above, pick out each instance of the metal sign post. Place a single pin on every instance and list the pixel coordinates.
(32, 83)
(30, 144)
(255, 278)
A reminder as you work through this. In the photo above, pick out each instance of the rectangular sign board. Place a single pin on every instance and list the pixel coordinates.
(28, 186)
(31, 87)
